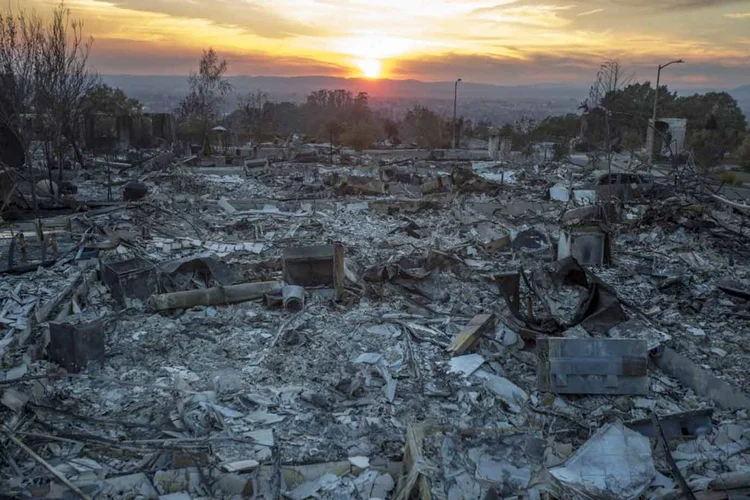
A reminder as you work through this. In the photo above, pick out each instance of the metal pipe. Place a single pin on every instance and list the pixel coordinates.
(294, 298)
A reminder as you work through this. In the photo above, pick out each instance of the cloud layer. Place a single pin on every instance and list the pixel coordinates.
(493, 41)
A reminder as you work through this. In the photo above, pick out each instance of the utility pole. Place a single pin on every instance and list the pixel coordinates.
(656, 100)
(455, 100)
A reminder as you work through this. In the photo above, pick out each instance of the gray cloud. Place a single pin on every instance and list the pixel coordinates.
(562, 69)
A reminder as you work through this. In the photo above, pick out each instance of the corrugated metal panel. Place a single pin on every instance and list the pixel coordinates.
(593, 366)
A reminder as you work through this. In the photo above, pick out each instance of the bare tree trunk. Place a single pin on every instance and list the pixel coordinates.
(32, 180)
(79, 156)
(50, 160)
(60, 163)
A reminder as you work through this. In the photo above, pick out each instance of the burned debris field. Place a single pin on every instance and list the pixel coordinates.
(377, 328)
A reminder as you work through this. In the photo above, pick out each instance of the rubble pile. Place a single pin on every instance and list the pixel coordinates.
(380, 329)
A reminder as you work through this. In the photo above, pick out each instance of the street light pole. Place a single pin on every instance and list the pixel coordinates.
(656, 100)
(455, 99)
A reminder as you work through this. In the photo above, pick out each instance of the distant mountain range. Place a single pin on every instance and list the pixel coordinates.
(164, 92)
(296, 88)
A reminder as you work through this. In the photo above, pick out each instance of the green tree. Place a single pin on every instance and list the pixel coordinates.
(359, 136)
(707, 147)
(557, 128)
(743, 152)
(106, 100)
(481, 130)
(332, 130)
(425, 127)
(717, 112)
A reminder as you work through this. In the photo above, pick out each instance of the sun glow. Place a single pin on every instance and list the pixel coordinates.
(370, 67)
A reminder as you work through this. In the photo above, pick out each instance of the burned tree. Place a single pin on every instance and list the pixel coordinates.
(208, 88)
(21, 46)
(63, 83)
(253, 107)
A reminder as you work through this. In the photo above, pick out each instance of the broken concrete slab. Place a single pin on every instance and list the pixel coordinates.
(592, 366)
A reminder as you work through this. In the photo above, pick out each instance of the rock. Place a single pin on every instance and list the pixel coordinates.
(719, 352)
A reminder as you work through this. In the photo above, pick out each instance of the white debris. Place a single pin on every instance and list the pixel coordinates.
(615, 463)
(466, 365)
(360, 462)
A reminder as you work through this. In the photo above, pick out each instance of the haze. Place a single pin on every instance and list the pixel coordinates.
(507, 42)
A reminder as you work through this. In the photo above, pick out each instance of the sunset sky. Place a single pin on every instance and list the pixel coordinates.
(506, 42)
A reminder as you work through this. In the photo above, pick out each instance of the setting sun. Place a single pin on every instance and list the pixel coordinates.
(370, 67)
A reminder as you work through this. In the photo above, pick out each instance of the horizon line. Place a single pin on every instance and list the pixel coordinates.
(405, 80)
